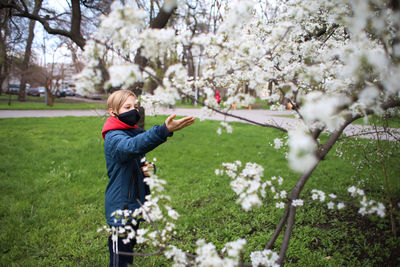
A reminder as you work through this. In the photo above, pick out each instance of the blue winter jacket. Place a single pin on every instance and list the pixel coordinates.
(124, 150)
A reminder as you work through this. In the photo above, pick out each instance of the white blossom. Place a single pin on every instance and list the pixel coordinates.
(227, 127)
(264, 258)
(235, 248)
(318, 194)
(125, 75)
(278, 143)
(297, 202)
(172, 213)
(178, 256)
(301, 151)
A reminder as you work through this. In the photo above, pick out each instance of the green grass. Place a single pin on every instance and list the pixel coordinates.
(286, 116)
(53, 178)
(393, 122)
(259, 104)
(36, 103)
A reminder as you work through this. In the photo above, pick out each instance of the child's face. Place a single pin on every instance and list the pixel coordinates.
(129, 104)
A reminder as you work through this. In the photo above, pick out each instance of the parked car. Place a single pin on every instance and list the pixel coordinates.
(13, 89)
(42, 89)
(60, 94)
(69, 92)
(33, 91)
(94, 96)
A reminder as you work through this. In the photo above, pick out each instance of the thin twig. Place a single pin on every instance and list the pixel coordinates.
(388, 191)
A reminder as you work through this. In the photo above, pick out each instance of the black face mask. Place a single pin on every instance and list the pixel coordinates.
(130, 117)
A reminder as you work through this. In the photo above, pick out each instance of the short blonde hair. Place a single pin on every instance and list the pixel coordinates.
(118, 98)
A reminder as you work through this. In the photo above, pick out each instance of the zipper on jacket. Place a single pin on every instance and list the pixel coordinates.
(130, 187)
(132, 179)
(136, 186)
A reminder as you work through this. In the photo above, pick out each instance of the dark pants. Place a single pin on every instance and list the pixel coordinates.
(121, 260)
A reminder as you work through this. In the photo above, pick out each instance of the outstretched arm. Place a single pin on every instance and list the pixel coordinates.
(175, 125)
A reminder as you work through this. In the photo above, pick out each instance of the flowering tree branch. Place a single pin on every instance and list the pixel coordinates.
(328, 61)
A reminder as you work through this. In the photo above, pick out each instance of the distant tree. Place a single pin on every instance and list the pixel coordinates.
(11, 37)
(28, 51)
(52, 22)
(4, 34)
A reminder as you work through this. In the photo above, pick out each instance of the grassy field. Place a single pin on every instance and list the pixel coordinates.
(53, 178)
(34, 103)
(259, 104)
(393, 122)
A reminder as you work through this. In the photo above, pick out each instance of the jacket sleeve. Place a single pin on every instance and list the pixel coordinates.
(126, 146)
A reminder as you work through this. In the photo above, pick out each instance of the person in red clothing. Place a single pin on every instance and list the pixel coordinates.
(217, 96)
(125, 145)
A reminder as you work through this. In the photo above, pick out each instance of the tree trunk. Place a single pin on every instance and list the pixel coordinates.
(76, 19)
(77, 64)
(28, 51)
(190, 65)
(4, 64)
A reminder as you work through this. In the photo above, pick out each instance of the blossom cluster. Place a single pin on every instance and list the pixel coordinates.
(227, 127)
(248, 185)
(367, 206)
(278, 143)
(154, 210)
(301, 150)
(229, 256)
(264, 258)
(321, 196)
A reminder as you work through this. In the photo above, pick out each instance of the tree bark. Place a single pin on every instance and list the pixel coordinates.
(190, 65)
(28, 51)
(4, 64)
(76, 19)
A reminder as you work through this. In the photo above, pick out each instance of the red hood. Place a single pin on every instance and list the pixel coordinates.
(112, 123)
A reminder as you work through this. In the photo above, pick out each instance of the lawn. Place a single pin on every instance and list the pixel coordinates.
(35, 103)
(53, 178)
(187, 103)
(392, 122)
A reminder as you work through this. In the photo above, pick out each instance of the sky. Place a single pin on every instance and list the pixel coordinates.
(54, 53)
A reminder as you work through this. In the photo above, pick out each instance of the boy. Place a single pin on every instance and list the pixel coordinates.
(124, 147)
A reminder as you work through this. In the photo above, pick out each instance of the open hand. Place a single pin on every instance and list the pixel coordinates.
(175, 125)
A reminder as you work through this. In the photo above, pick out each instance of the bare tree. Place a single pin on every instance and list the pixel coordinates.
(4, 33)
(73, 27)
(28, 51)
